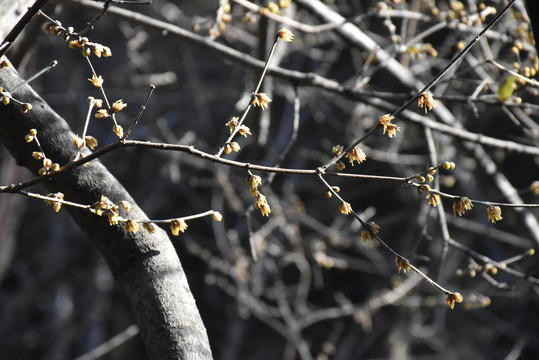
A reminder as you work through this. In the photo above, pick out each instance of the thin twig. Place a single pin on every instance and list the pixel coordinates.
(532, 82)
(102, 90)
(91, 24)
(110, 344)
(54, 200)
(426, 88)
(246, 111)
(500, 265)
(86, 123)
(245, 165)
(139, 114)
(36, 75)
(440, 208)
(388, 248)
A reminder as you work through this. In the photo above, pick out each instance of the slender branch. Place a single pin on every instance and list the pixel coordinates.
(111, 344)
(386, 297)
(456, 58)
(426, 88)
(91, 24)
(402, 262)
(312, 79)
(532, 82)
(86, 123)
(244, 115)
(440, 208)
(36, 75)
(13, 188)
(457, 132)
(500, 265)
(102, 90)
(54, 200)
(139, 114)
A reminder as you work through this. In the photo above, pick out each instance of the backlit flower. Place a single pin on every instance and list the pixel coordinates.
(265, 210)
(426, 101)
(148, 227)
(368, 230)
(131, 226)
(47, 163)
(78, 142)
(391, 129)
(113, 218)
(385, 119)
(90, 141)
(97, 102)
(55, 205)
(494, 213)
(216, 215)
(106, 52)
(453, 298)
(38, 155)
(97, 49)
(434, 199)
(461, 205)
(75, 44)
(101, 114)
(356, 154)
(96, 81)
(337, 150)
(232, 146)
(402, 264)
(262, 204)
(261, 100)
(232, 124)
(255, 181)
(178, 225)
(286, 35)
(244, 130)
(103, 204)
(118, 130)
(118, 105)
(345, 208)
(125, 205)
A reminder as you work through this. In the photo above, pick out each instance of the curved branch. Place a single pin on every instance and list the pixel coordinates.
(146, 265)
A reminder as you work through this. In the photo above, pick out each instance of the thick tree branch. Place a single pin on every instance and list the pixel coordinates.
(146, 265)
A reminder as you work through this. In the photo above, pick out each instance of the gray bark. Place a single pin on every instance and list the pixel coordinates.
(146, 265)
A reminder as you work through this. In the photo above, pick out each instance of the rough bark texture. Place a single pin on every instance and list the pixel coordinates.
(146, 265)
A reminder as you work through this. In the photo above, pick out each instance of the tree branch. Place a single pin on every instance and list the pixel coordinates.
(146, 265)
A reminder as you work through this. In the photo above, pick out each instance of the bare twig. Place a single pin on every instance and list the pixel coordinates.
(139, 114)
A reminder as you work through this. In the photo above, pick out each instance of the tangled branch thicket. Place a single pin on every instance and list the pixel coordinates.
(265, 123)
